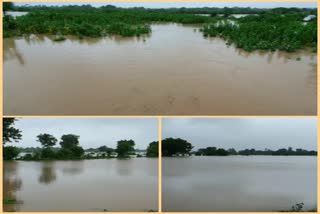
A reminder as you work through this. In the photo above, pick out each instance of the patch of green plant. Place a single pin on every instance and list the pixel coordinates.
(9, 201)
(59, 38)
(266, 29)
(268, 32)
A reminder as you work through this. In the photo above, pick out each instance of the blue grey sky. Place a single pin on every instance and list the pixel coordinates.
(184, 4)
(242, 133)
(94, 132)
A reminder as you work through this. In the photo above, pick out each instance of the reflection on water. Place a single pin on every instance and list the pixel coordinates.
(11, 184)
(48, 174)
(173, 71)
(124, 167)
(238, 183)
(73, 167)
(92, 185)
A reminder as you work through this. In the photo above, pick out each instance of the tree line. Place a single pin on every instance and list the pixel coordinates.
(264, 29)
(180, 147)
(69, 146)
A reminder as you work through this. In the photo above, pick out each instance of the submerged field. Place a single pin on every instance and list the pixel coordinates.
(175, 70)
(260, 29)
(160, 62)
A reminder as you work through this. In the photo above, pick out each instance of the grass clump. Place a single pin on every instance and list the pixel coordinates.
(9, 201)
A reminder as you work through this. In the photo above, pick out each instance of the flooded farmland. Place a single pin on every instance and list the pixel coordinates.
(90, 185)
(173, 71)
(238, 183)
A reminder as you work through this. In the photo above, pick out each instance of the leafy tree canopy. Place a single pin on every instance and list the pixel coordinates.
(175, 146)
(10, 133)
(152, 150)
(125, 148)
(47, 140)
(69, 140)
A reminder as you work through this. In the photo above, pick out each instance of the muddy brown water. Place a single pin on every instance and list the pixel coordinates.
(174, 71)
(89, 186)
(238, 183)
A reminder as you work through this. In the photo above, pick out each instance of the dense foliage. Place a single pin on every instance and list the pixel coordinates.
(268, 31)
(9, 132)
(10, 152)
(175, 147)
(152, 150)
(213, 151)
(47, 140)
(125, 148)
(273, 29)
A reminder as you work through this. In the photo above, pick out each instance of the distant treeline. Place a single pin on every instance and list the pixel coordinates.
(264, 29)
(179, 147)
(69, 147)
(213, 151)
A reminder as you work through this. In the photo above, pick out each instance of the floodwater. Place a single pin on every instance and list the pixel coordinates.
(173, 71)
(238, 183)
(90, 185)
(16, 13)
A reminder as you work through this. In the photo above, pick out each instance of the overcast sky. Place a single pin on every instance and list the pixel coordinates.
(242, 133)
(186, 4)
(94, 132)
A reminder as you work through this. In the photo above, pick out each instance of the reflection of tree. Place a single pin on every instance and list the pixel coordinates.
(312, 77)
(123, 40)
(124, 166)
(48, 174)
(11, 184)
(34, 39)
(10, 51)
(74, 168)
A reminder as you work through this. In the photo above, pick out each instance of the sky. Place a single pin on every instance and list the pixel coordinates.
(94, 132)
(244, 133)
(185, 4)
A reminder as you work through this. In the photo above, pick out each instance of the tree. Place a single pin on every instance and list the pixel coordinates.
(48, 153)
(77, 152)
(10, 152)
(152, 150)
(70, 140)
(125, 148)
(10, 133)
(47, 140)
(175, 146)
(70, 148)
(105, 149)
(6, 6)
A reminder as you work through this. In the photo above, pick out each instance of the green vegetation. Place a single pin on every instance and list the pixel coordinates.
(179, 147)
(298, 208)
(9, 201)
(175, 147)
(10, 134)
(10, 152)
(152, 150)
(125, 148)
(59, 38)
(265, 29)
(269, 31)
(211, 151)
(7, 6)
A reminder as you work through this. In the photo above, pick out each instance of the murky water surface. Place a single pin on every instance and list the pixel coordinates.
(91, 185)
(238, 183)
(174, 71)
